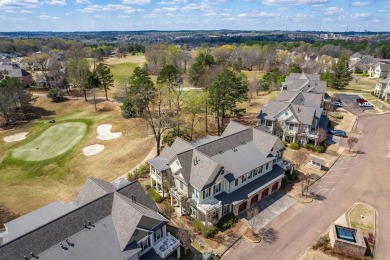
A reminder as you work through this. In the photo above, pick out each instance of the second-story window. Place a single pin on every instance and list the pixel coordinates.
(268, 123)
(243, 178)
(266, 166)
(291, 127)
(206, 193)
(250, 175)
(217, 188)
(235, 182)
(261, 169)
(195, 192)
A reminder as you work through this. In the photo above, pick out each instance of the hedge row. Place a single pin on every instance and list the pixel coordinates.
(155, 196)
(318, 148)
(294, 146)
(226, 221)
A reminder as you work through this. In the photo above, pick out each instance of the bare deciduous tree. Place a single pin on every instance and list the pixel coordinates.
(352, 141)
(322, 134)
(300, 157)
(253, 220)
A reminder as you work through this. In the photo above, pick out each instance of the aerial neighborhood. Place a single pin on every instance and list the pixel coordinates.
(194, 144)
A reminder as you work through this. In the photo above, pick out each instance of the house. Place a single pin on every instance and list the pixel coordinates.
(361, 63)
(382, 88)
(298, 112)
(22, 75)
(379, 70)
(116, 220)
(217, 175)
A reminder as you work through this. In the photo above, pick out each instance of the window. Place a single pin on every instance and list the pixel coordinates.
(243, 178)
(206, 193)
(266, 166)
(235, 182)
(268, 123)
(250, 175)
(225, 210)
(255, 171)
(157, 235)
(144, 244)
(217, 188)
(196, 192)
(262, 121)
(291, 127)
(261, 169)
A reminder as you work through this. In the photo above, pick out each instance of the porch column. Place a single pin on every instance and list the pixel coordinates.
(181, 209)
(178, 252)
(171, 201)
(151, 182)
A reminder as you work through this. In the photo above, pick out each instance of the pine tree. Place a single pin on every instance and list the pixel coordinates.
(106, 79)
(342, 74)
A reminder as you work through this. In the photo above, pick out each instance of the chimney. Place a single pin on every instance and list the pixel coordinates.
(133, 198)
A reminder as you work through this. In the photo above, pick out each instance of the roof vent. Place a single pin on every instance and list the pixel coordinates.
(234, 149)
(133, 198)
(220, 152)
(299, 109)
(26, 257)
(243, 142)
(196, 160)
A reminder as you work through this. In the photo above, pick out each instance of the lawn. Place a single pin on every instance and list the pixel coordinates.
(26, 185)
(54, 141)
(122, 68)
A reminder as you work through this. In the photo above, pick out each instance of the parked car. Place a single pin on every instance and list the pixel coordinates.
(366, 104)
(361, 100)
(337, 104)
(338, 132)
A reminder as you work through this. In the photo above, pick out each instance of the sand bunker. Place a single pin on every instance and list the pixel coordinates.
(15, 137)
(93, 149)
(104, 132)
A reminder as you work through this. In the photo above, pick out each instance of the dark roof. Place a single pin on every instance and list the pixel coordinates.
(251, 188)
(122, 212)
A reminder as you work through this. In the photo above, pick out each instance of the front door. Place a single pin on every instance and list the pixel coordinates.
(254, 199)
(275, 186)
(242, 207)
(264, 193)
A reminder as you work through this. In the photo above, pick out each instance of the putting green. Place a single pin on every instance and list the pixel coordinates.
(55, 141)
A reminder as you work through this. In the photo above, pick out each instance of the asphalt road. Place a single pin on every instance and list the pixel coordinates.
(364, 178)
(349, 103)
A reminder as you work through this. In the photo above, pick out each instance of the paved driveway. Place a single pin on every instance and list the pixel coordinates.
(364, 178)
(270, 208)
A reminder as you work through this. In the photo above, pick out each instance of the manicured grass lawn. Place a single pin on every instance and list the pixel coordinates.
(55, 141)
(122, 71)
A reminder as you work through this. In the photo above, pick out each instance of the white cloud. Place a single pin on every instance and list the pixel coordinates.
(359, 3)
(69, 13)
(257, 14)
(166, 9)
(135, 2)
(333, 10)
(47, 17)
(83, 2)
(295, 2)
(217, 14)
(382, 11)
(18, 4)
(173, 2)
(123, 16)
(55, 2)
(108, 8)
(152, 15)
(25, 12)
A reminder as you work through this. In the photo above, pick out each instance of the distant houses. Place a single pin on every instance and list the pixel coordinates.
(382, 88)
(374, 67)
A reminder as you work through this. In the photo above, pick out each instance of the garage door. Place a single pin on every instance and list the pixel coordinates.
(242, 207)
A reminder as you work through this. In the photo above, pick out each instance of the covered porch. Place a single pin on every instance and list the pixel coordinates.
(167, 245)
(208, 210)
(180, 199)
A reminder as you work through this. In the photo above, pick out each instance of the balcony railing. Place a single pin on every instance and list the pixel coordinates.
(177, 194)
(285, 164)
(155, 175)
(166, 245)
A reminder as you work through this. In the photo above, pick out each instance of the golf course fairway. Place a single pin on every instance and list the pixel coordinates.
(55, 141)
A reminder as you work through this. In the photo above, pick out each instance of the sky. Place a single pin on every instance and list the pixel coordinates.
(132, 15)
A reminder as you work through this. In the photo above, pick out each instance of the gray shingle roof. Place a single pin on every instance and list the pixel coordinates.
(251, 188)
(202, 164)
(92, 189)
(18, 73)
(271, 109)
(125, 214)
(303, 114)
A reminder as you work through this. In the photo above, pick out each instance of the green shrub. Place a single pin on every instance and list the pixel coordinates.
(155, 196)
(319, 149)
(56, 94)
(208, 231)
(310, 147)
(336, 115)
(294, 146)
(284, 143)
(226, 221)
(284, 183)
(141, 172)
(147, 186)
(292, 177)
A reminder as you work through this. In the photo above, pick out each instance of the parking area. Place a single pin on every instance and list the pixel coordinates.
(349, 103)
(325, 186)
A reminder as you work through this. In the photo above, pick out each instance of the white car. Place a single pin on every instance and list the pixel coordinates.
(366, 104)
